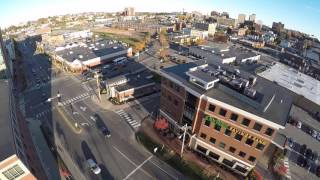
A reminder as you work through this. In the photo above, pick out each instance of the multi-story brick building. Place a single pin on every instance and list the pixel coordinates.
(233, 116)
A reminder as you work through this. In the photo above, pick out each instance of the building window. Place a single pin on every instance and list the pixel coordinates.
(269, 132)
(249, 142)
(228, 163)
(201, 149)
(227, 132)
(260, 146)
(203, 136)
(217, 127)
(222, 112)
(238, 137)
(212, 107)
(232, 149)
(245, 122)
(234, 117)
(171, 84)
(13, 173)
(222, 145)
(252, 159)
(214, 155)
(207, 123)
(212, 140)
(257, 126)
(241, 169)
(175, 102)
(242, 154)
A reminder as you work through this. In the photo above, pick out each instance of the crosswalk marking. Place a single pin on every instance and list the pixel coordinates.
(74, 99)
(133, 123)
(136, 126)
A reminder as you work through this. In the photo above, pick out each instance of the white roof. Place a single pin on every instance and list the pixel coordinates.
(293, 80)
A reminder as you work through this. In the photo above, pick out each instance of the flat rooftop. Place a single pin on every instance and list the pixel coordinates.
(294, 81)
(6, 134)
(89, 50)
(272, 101)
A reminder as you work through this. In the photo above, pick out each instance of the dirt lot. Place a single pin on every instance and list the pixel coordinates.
(119, 32)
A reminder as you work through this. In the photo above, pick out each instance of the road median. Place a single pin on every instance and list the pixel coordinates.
(71, 122)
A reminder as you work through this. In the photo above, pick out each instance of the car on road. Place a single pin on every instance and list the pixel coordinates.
(105, 132)
(308, 153)
(93, 166)
(318, 171)
(314, 156)
(314, 133)
(301, 161)
(318, 137)
(290, 142)
(303, 149)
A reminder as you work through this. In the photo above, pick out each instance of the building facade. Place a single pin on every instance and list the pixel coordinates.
(232, 134)
(241, 18)
(252, 17)
(13, 168)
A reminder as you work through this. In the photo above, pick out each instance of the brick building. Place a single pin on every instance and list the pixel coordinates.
(233, 116)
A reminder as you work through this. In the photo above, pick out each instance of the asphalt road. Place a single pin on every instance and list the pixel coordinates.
(119, 157)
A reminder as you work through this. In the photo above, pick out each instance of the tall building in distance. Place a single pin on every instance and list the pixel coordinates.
(277, 27)
(252, 17)
(241, 18)
(129, 11)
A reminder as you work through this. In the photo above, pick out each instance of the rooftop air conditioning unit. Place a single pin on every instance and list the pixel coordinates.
(250, 92)
(71, 52)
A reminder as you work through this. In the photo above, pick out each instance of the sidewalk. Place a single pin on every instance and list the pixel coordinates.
(175, 145)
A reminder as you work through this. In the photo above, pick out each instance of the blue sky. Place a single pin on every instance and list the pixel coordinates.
(302, 15)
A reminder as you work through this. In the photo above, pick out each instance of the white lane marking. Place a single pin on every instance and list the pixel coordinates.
(124, 156)
(173, 177)
(133, 122)
(118, 111)
(138, 167)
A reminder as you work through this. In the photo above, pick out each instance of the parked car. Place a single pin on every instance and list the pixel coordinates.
(93, 166)
(299, 124)
(301, 161)
(308, 153)
(290, 142)
(314, 156)
(303, 149)
(318, 171)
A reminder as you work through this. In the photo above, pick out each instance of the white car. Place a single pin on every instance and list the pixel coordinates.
(299, 124)
(93, 166)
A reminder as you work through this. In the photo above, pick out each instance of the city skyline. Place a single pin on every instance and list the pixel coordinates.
(296, 15)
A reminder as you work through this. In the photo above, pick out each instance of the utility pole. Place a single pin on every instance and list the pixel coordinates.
(184, 137)
(98, 85)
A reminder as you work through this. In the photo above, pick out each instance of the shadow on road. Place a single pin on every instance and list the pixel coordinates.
(87, 151)
(105, 174)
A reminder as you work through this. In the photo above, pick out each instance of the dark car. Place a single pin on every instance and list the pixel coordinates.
(303, 149)
(101, 126)
(308, 153)
(301, 161)
(105, 132)
(314, 156)
(318, 171)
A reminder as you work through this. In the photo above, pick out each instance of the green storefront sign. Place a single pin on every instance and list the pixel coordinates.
(220, 123)
(216, 121)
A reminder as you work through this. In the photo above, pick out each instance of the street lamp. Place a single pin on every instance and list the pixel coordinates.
(185, 127)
